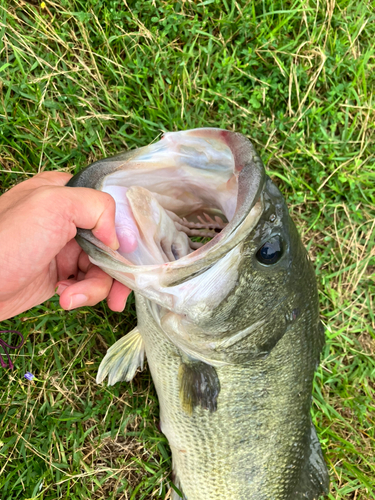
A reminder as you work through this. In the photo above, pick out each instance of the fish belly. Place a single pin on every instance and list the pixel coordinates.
(259, 443)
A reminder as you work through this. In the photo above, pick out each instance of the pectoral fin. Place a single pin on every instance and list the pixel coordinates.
(199, 386)
(122, 359)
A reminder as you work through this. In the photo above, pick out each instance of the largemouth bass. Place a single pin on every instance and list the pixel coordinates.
(230, 328)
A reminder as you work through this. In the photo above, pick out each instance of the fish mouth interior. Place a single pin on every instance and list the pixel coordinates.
(171, 194)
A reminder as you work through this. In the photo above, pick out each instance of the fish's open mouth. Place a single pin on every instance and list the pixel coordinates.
(179, 189)
(200, 183)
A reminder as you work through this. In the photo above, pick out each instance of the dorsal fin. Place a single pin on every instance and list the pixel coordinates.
(123, 359)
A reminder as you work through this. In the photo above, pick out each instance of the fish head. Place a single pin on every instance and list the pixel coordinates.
(225, 300)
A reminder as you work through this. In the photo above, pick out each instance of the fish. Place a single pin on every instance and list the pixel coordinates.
(227, 313)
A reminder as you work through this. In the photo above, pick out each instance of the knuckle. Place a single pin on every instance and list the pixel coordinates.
(108, 200)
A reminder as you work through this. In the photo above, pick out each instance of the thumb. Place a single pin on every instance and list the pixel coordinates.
(88, 208)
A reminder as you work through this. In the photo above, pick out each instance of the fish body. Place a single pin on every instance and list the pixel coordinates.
(230, 329)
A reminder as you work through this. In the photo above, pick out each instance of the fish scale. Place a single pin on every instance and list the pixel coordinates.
(251, 420)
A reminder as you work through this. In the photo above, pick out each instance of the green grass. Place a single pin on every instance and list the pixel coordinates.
(81, 80)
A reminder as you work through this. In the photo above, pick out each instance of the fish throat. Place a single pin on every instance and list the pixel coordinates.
(154, 227)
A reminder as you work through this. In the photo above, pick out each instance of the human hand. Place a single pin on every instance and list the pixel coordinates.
(38, 223)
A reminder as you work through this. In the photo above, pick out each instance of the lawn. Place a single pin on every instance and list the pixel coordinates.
(83, 80)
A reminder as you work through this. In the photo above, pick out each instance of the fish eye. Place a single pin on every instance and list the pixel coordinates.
(270, 252)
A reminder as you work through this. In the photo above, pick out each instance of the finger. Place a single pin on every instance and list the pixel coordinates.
(48, 218)
(67, 260)
(126, 227)
(81, 276)
(44, 179)
(118, 296)
(88, 292)
(84, 263)
(64, 284)
(52, 178)
(91, 209)
(24, 188)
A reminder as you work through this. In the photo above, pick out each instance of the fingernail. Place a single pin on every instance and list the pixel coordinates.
(111, 243)
(121, 307)
(115, 244)
(79, 299)
(60, 288)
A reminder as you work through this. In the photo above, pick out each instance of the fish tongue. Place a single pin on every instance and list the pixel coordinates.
(159, 240)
